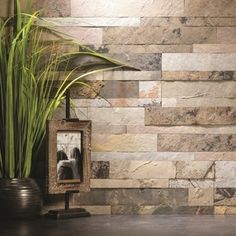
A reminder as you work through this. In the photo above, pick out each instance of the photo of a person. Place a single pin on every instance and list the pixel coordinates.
(63, 172)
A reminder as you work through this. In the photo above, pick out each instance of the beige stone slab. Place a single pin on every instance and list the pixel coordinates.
(97, 210)
(191, 183)
(124, 143)
(198, 102)
(122, 8)
(83, 35)
(93, 21)
(224, 210)
(225, 197)
(226, 35)
(129, 183)
(116, 116)
(149, 48)
(214, 48)
(142, 156)
(196, 142)
(195, 170)
(132, 75)
(198, 75)
(198, 62)
(200, 197)
(210, 8)
(142, 169)
(215, 156)
(109, 129)
(139, 129)
(149, 89)
(159, 35)
(199, 89)
(162, 116)
(188, 21)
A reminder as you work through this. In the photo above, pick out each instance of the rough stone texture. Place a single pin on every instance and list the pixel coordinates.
(190, 116)
(200, 89)
(124, 143)
(199, 75)
(99, 170)
(214, 48)
(116, 116)
(200, 197)
(225, 174)
(129, 183)
(142, 170)
(170, 197)
(225, 197)
(191, 183)
(103, 8)
(225, 210)
(146, 62)
(120, 89)
(210, 8)
(194, 170)
(149, 89)
(196, 142)
(226, 35)
(112, 129)
(214, 156)
(142, 156)
(159, 35)
(198, 62)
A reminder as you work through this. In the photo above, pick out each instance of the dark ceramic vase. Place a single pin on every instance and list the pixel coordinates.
(19, 199)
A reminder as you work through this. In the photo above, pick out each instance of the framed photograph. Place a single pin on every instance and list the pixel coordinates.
(69, 151)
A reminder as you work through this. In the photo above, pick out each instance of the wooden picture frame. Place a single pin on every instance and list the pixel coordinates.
(69, 155)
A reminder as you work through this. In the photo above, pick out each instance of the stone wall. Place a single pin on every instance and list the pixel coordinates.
(164, 140)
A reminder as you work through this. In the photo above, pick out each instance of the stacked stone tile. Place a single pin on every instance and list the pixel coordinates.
(164, 140)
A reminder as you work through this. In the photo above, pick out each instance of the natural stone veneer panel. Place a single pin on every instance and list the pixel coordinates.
(99, 170)
(191, 183)
(225, 210)
(200, 197)
(199, 75)
(159, 35)
(196, 142)
(190, 116)
(226, 35)
(215, 156)
(225, 197)
(202, 89)
(124, 143)
(129, 183)
(225, 174)
(198, 62)
(149, 89)
(214, 48)
(195, 170)
(170, 197)
(116, 116)
(210, 8)
(142, 170)
(161, 210)
(123, 8)
(146, 62)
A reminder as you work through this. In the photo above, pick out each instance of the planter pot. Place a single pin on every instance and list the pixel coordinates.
(19, 198)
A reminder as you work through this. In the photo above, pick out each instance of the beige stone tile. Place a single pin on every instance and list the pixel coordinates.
(191, 183)
(200, 197)
(226, 35)
(215, 156)
(111, 129)
(199, 89)
(116, 116)
(224, 210)
(215, 48)
(198, 62)
(210, 8)
(143, 156)
(129, 183)
(149, 89)
(122, 8)
(124, 143)
(142, 169)
(190, 116)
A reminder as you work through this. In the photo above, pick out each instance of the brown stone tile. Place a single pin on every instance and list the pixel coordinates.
(214, 48)
(196, 142)
(190, 116)
(226, 35)
(99, 170)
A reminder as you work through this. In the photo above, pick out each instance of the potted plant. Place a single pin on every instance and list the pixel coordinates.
(27, 82)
